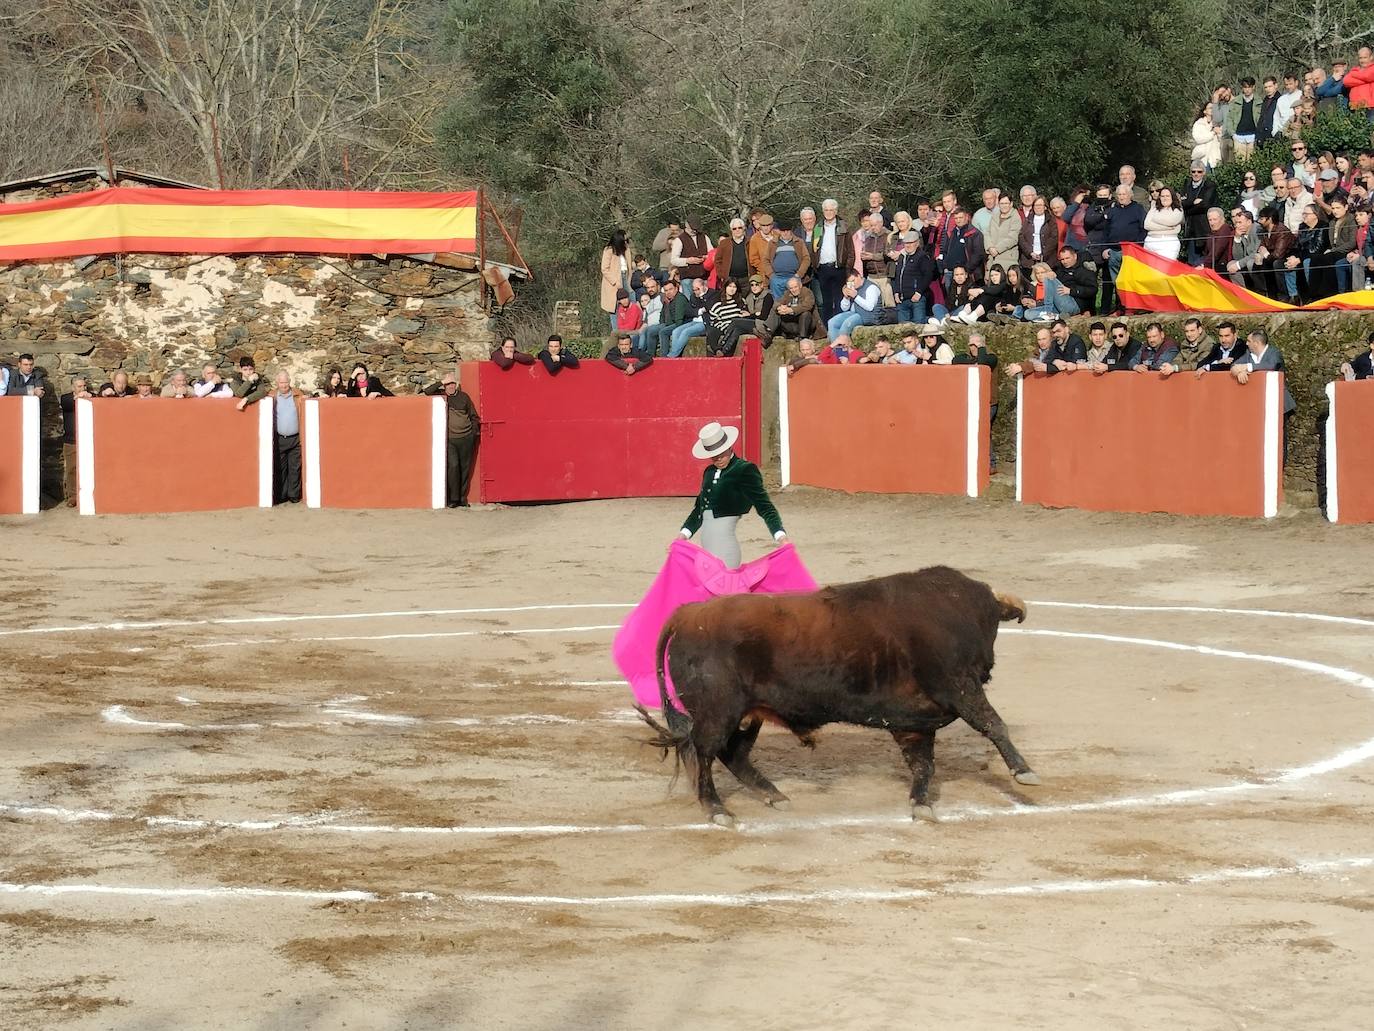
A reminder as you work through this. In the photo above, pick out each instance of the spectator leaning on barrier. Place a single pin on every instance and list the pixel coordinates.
(67, 403)
(938, 352)
(210, 384)
(1069, 350)
(1098, 345)
(1362, 365)
(288, 411)
(840, 351)
(1121, 355)
(1196, 350)
(507, 355)
(1157, 351)
(362, 383)
(880, 355)
(552, 357)
(246, 380)
(25, 379)
(1228, 349)
(624, 357)
(806, 355)
(117, 387)
(1261, 356)
(464, 430)
(1041, 359)
(334, 383)
(143, 385)
(178, 385)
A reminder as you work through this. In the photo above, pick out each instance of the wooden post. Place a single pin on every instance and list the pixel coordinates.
(482, 244)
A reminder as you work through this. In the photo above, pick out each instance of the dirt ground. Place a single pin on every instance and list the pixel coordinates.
(1198, 856)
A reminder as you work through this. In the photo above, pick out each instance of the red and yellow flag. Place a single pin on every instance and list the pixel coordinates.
(1148, 282)
(125, 220)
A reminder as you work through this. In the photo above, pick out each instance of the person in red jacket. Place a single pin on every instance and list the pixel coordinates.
(1359, 82)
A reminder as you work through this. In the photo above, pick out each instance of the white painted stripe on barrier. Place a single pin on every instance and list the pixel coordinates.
(1273, 430)
(165, 624)
(974, 405)
(85, 456)
(312, 452)
(784, 428)
(1020, 415)
(266, 441)
(28, 413)
(1333, 480)
(438, 440)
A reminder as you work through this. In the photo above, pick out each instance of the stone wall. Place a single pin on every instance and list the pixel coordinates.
(407, 320)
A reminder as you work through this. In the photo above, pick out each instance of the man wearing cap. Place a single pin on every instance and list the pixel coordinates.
(912, 273)
(794, 316)
(730, 487)
(464, 430)
(1197, 200)
(758, 305)
(761, 246)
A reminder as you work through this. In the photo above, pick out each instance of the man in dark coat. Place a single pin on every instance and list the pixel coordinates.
(1199, 198)
(464, 430)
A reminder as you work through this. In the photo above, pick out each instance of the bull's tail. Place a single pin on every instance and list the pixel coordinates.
(677, 734)
(1009, 607)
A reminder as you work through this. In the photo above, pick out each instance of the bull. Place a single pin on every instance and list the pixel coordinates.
(908, 653)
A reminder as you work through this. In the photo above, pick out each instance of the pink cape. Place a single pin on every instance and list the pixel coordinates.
(693, 574)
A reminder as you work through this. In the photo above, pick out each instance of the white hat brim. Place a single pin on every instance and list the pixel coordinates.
(731, 435)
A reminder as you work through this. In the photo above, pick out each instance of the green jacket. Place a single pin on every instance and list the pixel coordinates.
(739, 488)
(674, 312)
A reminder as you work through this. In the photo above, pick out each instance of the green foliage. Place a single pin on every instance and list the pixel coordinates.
(1060, 95)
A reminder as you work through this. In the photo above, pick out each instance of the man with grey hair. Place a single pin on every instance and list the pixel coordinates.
(1262, 356)
(1127, 178)
(832, 256)
(1216, 252)
(1243, 268)
(1125, 222)
(1294, 203)
(794, 316)
(984, 215)
(1027, 207)
(464, 429)
(178, 385)
(67, 403)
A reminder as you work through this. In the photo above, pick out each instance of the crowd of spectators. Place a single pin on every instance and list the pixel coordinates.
(1031, 255)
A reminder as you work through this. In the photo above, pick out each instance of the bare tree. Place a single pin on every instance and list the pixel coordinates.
(270, 92)
(1294, 35)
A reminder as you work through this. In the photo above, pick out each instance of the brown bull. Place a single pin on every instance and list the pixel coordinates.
(908, 653)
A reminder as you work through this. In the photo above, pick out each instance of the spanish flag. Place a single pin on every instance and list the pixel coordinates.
(1148, 282)
(139, 220)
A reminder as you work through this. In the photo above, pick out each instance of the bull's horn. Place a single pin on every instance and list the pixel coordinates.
(1009, 607)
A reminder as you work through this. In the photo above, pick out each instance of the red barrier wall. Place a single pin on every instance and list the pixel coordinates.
(1349, 472)
(165, 455)
(887, 430)
(594, 432)
(18, 455)
(379, 453)
(1140, 443)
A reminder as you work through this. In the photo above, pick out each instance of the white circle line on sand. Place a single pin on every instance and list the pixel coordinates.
(402, 613)
(820, 896)
(1348, 757)
(334, 639)
(340, 713)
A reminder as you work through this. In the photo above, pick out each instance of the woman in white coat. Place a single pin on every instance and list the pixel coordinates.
(1206, 138)
(1163, 222)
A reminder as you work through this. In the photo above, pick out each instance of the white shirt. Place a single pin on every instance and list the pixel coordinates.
(867, 298)
(1283, 110)
(203, 388)
(828, 252)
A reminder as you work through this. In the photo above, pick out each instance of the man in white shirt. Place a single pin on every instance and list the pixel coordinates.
(1297, 202)
(210, 385)
(859, 306)
(1288, 103)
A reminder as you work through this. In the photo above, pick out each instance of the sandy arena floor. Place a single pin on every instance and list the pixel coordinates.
(285, 792)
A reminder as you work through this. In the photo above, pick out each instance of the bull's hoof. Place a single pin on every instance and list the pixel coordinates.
(924, 813)
(779, 802)
(1028, 777)
(722, 819)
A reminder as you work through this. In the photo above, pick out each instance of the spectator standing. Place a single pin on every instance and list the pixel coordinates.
(1038, 240)
(962, 248)
(876, 206)
(1027, 196)
(1206, 138)
(732, 256)
(912, 273)
(1359, 83)
(554, 358)
(465, 428)
(761, 246)
(119, 385)
(1126, 177)
(211, 385)
(870, 249)
(832, 256)
(1261, 356)
(1003, 236)
(288, 412)
(982, 218)
(662, 247)
(1163, 223)
(67, 403)
(1287, 104)
(1198, 199)
(1125, 223)
(617, 259)
(688, 259)
(1242, 120)
(1268, 112)
(789, 257)
(26, 380)
(626, 358)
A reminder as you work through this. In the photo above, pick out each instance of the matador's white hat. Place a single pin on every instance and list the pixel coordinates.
(714, 439)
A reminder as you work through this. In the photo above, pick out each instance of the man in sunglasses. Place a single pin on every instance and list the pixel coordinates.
(1121, 356)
